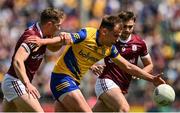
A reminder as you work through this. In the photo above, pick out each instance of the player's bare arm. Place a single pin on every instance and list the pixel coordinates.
(134, 70)
(148, 65)
(20, 56)
(62, 39)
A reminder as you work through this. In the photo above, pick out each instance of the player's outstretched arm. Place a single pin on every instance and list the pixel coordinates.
(63, 39)
(136, 71)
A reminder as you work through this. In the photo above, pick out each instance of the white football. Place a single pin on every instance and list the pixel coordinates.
(164, 95)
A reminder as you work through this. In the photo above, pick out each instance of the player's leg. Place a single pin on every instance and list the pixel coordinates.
(74, 101)
(67, 92)
(111, 96)
(8, 106)
(100, 107)
(9, 94)
(59, 107)
(26, 103)
(115, 100)
(14, 91)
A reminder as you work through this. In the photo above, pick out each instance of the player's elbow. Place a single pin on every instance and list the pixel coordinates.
(151, 68)
(131, 69)
(151, 65)
(125, 109)
(16, 62)
(128, 67)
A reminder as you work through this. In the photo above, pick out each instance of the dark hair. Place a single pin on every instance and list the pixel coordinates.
(109, 22)
(51, 14)
(126, 16)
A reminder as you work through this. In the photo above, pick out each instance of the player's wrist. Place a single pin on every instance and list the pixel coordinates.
(151, 79)
(43, 42)
(26, 84)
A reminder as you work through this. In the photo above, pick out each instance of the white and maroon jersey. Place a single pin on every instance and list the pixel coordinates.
(130, 49)
(35, 57)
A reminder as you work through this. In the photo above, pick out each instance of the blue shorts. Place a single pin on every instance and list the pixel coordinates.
(61, 84)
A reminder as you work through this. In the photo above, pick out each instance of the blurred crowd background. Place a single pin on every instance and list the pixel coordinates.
(158, 23)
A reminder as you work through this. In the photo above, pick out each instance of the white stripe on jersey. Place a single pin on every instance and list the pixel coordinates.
(146, 56)
(26, 47)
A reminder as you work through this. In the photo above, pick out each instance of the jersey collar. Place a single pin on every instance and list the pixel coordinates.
(39, 29)
(127, 40)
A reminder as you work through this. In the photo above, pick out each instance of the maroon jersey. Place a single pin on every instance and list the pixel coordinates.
(133, 48)
(35, 57)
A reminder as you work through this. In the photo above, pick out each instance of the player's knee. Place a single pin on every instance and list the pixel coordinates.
(124, 108)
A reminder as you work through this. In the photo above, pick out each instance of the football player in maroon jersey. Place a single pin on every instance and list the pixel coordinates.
(19, 94)
(113, 82)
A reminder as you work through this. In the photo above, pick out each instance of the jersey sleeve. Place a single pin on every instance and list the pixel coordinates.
(79, 36)
(114, 52)
(144, 51)
(29, 47)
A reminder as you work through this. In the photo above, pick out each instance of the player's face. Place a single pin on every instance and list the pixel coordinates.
(113, 35)
(128, 28)
(55, 27)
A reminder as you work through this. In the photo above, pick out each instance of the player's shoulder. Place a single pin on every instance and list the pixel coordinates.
(29, 32)
(32, 30)
(138, 38)
(90, 30)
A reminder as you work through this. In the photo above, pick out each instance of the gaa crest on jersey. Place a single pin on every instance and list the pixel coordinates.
(115, 50)
(76, 36)
(134, 47)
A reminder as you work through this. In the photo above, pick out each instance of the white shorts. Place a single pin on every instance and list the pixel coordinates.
(102, 85)
(12, 87)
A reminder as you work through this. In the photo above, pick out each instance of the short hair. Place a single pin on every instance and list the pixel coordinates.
(126, 16)
(109, 22)
(51, 14)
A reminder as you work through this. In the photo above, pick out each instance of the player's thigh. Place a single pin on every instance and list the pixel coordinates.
(12, 87)
(74, 101)
(110, 93)
(26, 103)
(100, 107)
(8, 106)
(115, 100)
(14, 91)
(65, 89)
